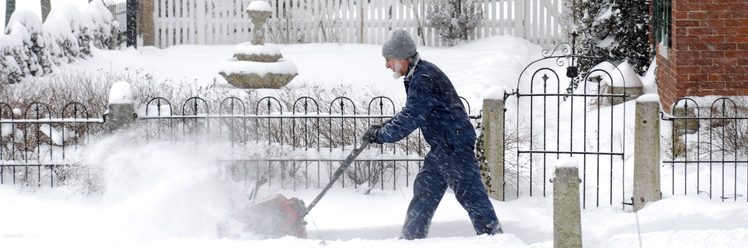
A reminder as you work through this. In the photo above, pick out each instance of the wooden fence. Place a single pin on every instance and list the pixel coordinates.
(208, 22)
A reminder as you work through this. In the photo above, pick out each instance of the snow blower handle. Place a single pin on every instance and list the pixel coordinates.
(343, 166)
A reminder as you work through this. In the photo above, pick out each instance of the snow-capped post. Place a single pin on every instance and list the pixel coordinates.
(493, 141)
(567, 221)
(647, 151)
(120, 111)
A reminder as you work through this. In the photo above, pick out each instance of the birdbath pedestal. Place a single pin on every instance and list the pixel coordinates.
(257, 65)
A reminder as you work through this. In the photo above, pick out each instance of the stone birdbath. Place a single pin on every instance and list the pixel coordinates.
(257, 65)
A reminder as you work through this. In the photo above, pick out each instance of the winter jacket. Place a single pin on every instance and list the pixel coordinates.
(433, 105)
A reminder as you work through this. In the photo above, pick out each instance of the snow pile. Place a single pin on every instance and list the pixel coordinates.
(621, 75)
(120, 93)
(567, 162)
(248, 48)
(30, 48)
(285, 67)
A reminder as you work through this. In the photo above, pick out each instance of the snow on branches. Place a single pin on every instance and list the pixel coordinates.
(29, 47)
(455, 20)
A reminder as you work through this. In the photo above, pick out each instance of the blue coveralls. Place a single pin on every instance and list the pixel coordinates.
(433, 105)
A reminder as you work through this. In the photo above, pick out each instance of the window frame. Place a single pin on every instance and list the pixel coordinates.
(663, 22)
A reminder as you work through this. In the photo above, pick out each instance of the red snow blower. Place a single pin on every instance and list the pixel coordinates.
(280, 216)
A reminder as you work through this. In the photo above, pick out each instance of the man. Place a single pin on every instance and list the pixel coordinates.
(433, 105)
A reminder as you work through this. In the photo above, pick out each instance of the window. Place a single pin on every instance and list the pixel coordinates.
(662, 21)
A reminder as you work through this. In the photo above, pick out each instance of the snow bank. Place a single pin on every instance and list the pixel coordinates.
(649, 80)
(622, 75)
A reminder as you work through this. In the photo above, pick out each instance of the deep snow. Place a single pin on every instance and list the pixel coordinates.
(164, 195)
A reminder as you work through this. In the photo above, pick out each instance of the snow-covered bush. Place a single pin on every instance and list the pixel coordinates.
(103, 28)
(613, 30)
(24, 32)
(11, 71)
(455, 19)
(61, 31)
(30, 48)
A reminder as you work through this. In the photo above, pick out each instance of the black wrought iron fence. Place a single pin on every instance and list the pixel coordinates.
(560, 111)
(301, 142)
(36, 144)
(708, 149)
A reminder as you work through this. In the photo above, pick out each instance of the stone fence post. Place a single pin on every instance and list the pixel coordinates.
(647, 151)
(493, 144)
(120, 111)
(567, 223)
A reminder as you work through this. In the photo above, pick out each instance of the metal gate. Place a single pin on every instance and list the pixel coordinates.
(561, 112)
(707, 151)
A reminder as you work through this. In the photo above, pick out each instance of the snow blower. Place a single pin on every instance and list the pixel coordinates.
(280, 216)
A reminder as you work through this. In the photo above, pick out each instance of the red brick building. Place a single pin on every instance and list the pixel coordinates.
(702, 48)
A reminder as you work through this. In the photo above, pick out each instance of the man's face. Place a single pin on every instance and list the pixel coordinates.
(398, 66)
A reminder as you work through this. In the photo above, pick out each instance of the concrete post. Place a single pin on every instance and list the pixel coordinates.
(120, 111)
(145, 22)
(647, 151)
(493, 143)
(567, 223)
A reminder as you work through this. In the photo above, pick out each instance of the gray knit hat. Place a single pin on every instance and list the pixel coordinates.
(399, 46)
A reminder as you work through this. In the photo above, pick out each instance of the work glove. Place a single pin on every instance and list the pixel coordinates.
(371, 134)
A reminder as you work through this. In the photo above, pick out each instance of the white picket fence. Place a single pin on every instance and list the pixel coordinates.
(347, 21)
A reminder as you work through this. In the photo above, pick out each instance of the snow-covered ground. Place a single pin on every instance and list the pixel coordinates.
(161, 195)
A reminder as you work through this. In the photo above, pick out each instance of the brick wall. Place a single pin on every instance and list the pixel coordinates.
(709, 50)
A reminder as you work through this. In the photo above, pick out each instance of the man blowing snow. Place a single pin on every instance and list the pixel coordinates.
(433, 105)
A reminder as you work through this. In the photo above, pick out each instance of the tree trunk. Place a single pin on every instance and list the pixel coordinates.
(10, 6)
(46, 7)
